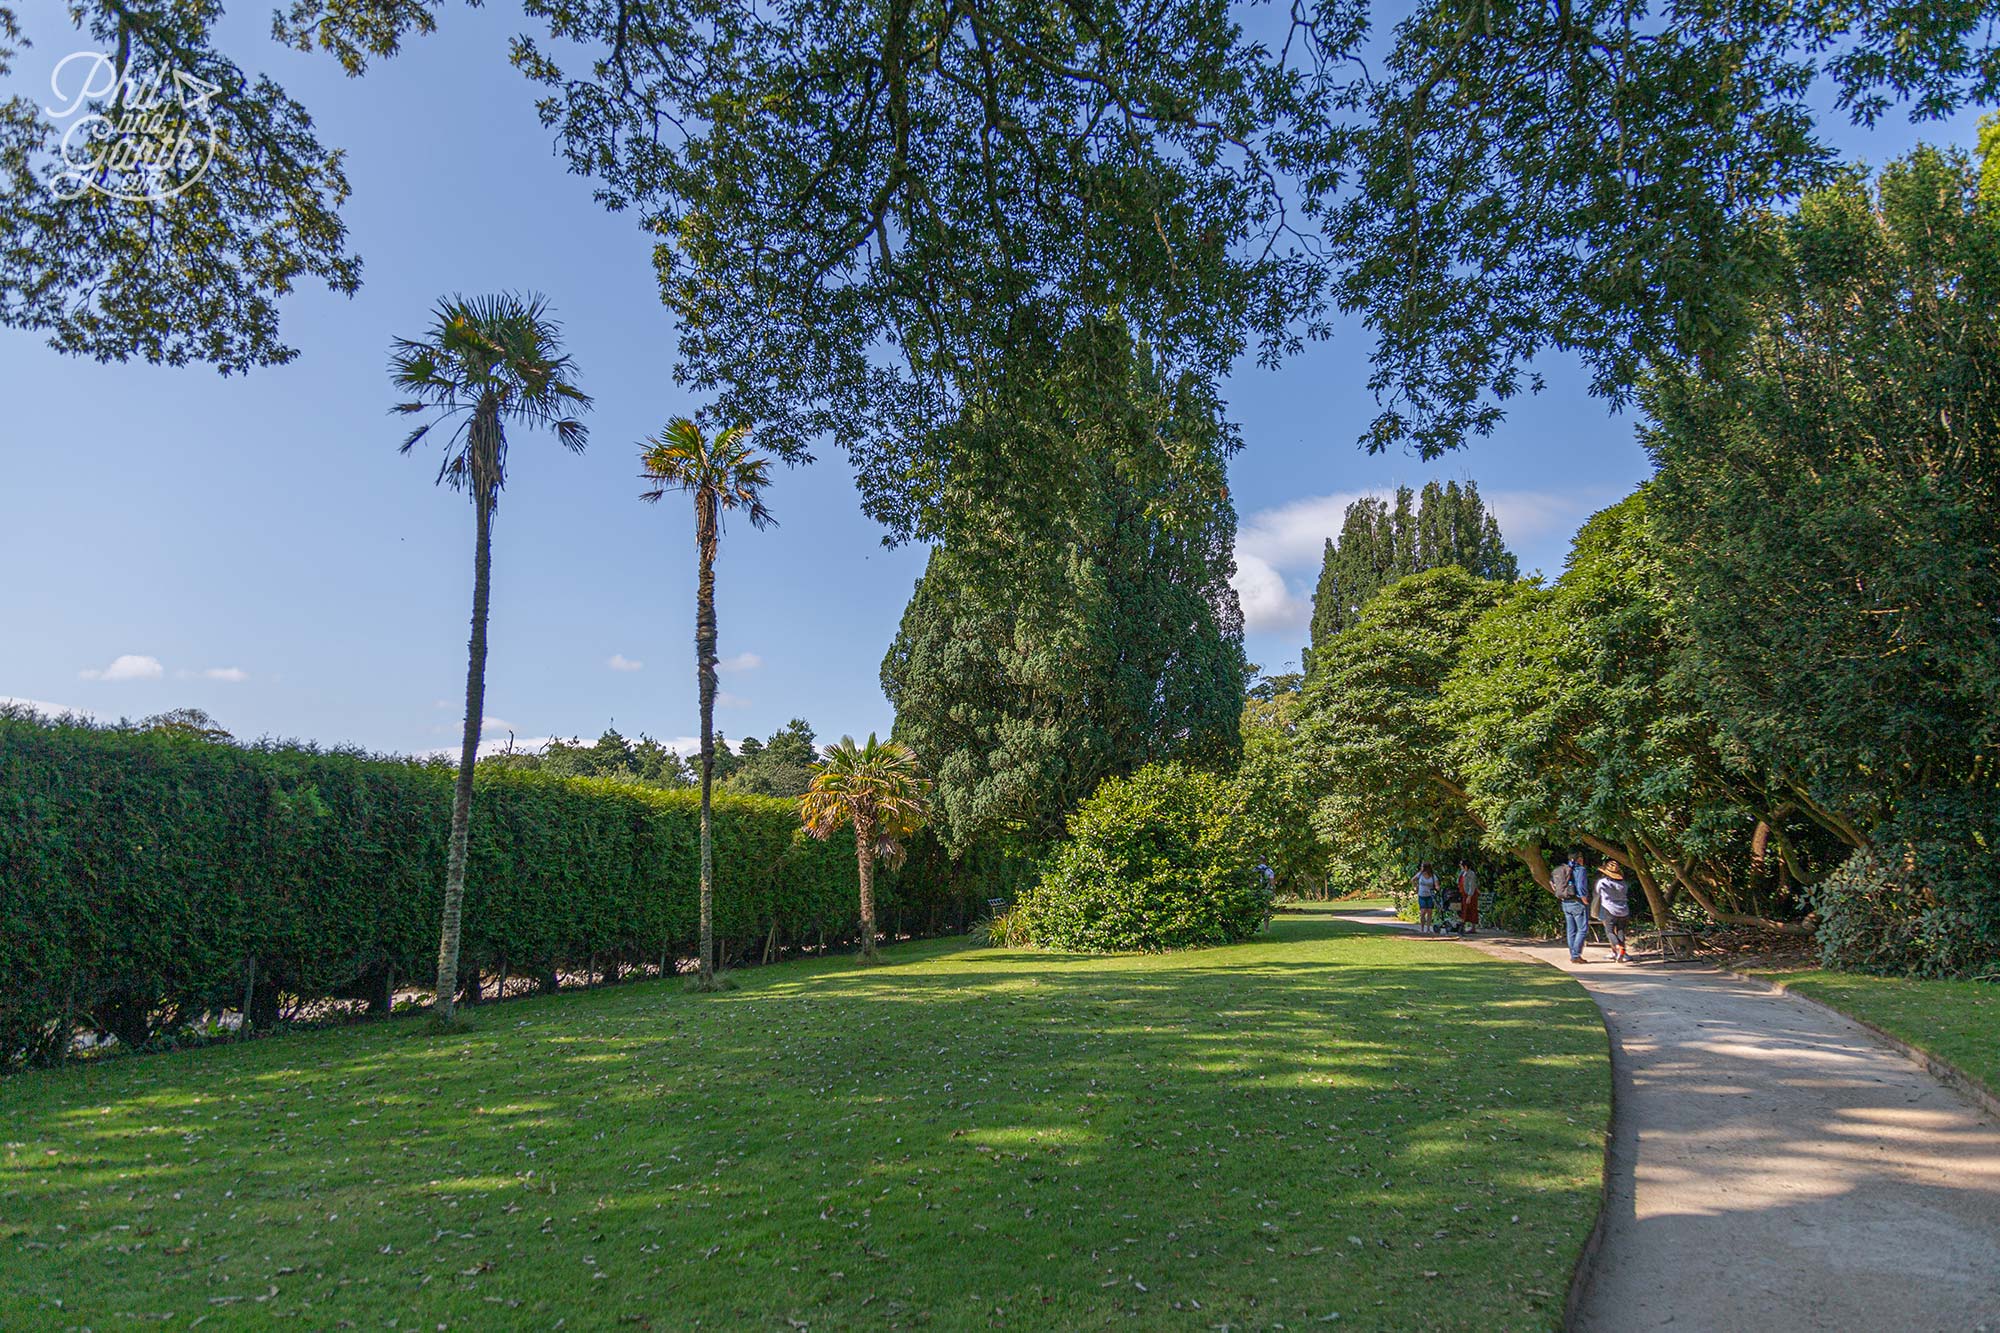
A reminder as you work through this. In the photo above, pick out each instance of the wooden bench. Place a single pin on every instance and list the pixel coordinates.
(1672, 941)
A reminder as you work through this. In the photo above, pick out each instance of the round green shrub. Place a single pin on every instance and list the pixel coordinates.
(1163, 859)
(1920, 908)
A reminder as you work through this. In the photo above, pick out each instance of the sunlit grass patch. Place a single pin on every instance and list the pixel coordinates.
(1320, 1120)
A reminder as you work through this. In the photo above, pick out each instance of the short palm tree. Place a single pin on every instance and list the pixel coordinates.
(486, 363)
(877, 788)
(722, 474)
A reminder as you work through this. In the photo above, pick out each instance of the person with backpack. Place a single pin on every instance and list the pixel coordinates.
(1614, 906)
(1427, 895)
(1566, 883)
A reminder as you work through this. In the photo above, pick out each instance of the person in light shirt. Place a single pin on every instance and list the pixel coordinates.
(1614, 907)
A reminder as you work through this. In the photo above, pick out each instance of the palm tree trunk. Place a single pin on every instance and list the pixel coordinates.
(468, 755)
(864, 854)
(704, 652)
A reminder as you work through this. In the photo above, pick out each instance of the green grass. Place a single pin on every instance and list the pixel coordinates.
(1956, 1021)
(1327, 1119)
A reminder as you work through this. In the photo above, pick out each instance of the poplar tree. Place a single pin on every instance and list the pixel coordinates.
(1381, 542)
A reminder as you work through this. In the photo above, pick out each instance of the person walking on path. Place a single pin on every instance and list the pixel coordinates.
(1468, 893)
(1614, 906)
(1566, 883)
(1427, 895)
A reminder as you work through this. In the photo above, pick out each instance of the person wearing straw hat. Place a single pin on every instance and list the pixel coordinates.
(1614, 906)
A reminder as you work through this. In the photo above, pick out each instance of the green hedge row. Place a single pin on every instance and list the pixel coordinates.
(146, 879)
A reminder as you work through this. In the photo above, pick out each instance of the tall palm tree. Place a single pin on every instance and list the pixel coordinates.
(722, 474)
(878, 789)
(486, 363)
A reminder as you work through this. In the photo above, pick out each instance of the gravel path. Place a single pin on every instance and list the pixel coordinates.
(1776, 1167)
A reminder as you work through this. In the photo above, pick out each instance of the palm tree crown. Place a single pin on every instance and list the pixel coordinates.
(723, 474)
(488, 361)
(876, 786)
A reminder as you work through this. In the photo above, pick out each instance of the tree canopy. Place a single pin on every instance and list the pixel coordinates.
(1498, 179)
(859, 206)
(1829, 500)
(193, 268)
(1381, 542)
(1076, 619)
(1391, 784)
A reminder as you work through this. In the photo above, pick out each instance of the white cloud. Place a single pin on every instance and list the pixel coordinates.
(234, 675)
(1268, 604)
(494, 724)
(1291, 535)
(740, 662)
(1278, 550)
(1526, 517)
(620, 662)
(47, 709)
(724, 699)
(130, 666)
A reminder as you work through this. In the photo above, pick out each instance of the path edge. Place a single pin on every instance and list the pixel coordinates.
(1939, 1068)
(1586, 1258)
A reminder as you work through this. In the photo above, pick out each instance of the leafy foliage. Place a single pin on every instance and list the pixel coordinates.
(1275, 790)
(1927, 909)
(145, 871)
(781, 766)
(645, 761)
(1829, 499)
(192, 277)
(1076, 620)
(1592, 175)
(864, 210)
(1574, 716)
(1163, 859)
(488, 362)
(1392, 791)
(1380, 543)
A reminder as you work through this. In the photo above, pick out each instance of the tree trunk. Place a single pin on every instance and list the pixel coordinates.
(1708, 904)
(468, 755)
(864, 852)
(1538, 865)
(704, 656)
(1655, 901)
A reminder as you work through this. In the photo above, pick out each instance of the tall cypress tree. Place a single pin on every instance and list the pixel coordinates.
(1075, 620)
(1381, 542)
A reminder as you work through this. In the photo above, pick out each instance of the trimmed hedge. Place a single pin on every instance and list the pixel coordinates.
(143, 876)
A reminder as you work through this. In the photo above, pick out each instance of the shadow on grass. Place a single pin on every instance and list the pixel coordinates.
(1065, 1138)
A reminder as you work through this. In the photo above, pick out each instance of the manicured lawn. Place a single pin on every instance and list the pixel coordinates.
(1327, 1120)
(1956, 1021)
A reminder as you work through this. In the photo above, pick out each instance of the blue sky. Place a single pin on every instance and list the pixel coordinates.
(255, 547)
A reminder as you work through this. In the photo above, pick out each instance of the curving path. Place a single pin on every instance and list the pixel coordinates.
(1775, 1167)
